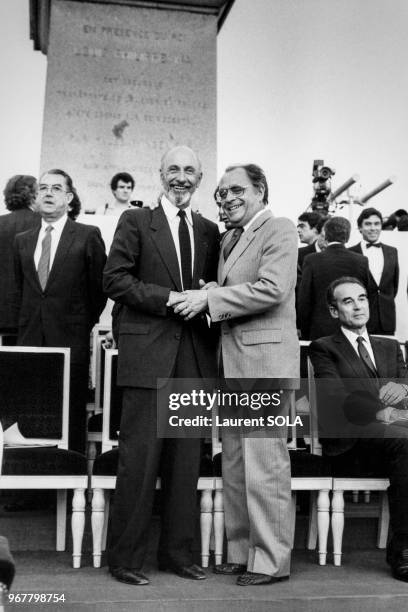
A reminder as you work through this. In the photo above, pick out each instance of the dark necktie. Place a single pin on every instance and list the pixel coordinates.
(236, 235)
(44, 263)
(373, 244)
(365, 357)
(185, 250)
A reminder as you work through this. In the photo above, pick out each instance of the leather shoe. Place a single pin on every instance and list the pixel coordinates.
(230, 569)
(399, 565)
(194, 572)
(129, 576)
(253, 579)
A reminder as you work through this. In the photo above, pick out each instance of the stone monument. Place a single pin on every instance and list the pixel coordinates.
(126, 80)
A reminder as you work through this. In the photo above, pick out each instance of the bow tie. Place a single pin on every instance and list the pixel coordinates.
(373, 244)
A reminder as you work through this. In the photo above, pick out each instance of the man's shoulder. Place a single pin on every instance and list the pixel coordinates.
(82, 229)
(207, 223)
(385, 342)
(356, 248)
(389, 250)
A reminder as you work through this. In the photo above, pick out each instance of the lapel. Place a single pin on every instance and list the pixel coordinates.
(354, 361)
(200, 248)
(241, 246)
(67, 237)
(29, 266)
(385, 267)
(380, 356)
(163, 240)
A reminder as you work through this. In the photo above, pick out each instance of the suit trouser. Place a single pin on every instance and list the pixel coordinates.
(78, 390)
(142, 457)
(257, 501)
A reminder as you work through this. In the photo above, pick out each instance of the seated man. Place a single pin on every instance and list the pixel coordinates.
(367, 377)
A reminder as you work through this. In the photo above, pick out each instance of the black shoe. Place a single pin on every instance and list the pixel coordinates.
(194, 572)
(253, 579)
(230, 569)
(399, 565)
(129, 576)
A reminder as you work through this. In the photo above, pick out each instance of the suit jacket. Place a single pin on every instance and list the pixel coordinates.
(256, 302)
(319, 270)
(72, 301)
(382, 304)
(344, 374)
(141, 270)
(10, 225)
(302, 252)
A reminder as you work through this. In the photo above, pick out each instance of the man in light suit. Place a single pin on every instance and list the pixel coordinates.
(384, 272)
(59, 295)
(255, 303)
(155, 254)
(366, 379)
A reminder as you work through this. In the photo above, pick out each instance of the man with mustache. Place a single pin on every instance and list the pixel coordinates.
(155, 255)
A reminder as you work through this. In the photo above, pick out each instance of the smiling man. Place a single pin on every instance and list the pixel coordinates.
(384, 272)
(255, 304)
(155, 255)
(367, 378)
(59, 287)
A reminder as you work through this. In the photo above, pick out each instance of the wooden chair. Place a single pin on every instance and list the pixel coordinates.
(34, 392)
(103, 479)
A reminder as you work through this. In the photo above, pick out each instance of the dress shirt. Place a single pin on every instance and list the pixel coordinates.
(58, 226)
(173, 219)
(375, 258)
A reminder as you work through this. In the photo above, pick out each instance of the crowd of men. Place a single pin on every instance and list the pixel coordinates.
(190, 307)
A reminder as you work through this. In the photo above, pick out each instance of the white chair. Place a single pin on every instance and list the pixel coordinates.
(34, 387)
(103, 479)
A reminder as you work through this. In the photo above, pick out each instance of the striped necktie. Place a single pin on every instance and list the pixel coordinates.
(44, 263)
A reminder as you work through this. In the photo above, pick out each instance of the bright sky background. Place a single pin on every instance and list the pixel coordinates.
(297, 80)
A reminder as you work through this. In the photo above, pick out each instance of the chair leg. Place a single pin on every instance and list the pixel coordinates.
(218, 525)
(337, 525)
(383, 520)
(91, 456)
(367, 497)
(293, 519)
(61, 518)
(355, 497)
(312, 528)
(323, 523)
(97, 520)
(206, 515)
(77, 524)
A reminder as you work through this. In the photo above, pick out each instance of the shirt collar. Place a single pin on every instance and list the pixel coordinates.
(250, 222)
(171, 211)
(352, 336)
(57, 225)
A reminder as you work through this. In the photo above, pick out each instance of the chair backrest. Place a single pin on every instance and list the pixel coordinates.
(98, 333)
(112, 402)
(34, 392)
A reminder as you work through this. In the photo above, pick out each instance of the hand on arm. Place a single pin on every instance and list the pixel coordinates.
(392, 393)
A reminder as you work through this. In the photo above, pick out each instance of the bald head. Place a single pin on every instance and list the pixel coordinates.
(180, 174)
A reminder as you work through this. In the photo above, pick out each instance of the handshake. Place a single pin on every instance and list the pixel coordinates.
(191, 302)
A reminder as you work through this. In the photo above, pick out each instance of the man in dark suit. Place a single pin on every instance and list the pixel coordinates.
(155, 255)
(19, 196)
(59, 295)
(365, 378)
(384, 272)
(319, 270)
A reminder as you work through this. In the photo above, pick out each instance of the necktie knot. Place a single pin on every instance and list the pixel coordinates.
(182, 214)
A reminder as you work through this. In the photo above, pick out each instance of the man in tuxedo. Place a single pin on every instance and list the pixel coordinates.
(59, 295)
(366, 378)
(255, 303)
(319, 270)
(155, 255)
(384, 272)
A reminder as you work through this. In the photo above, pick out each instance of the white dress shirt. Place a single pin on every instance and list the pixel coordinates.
(375, 258)
(173, 219)
(58, 226)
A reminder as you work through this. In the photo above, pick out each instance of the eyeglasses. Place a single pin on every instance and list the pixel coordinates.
(55, 189)
(236, 192)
